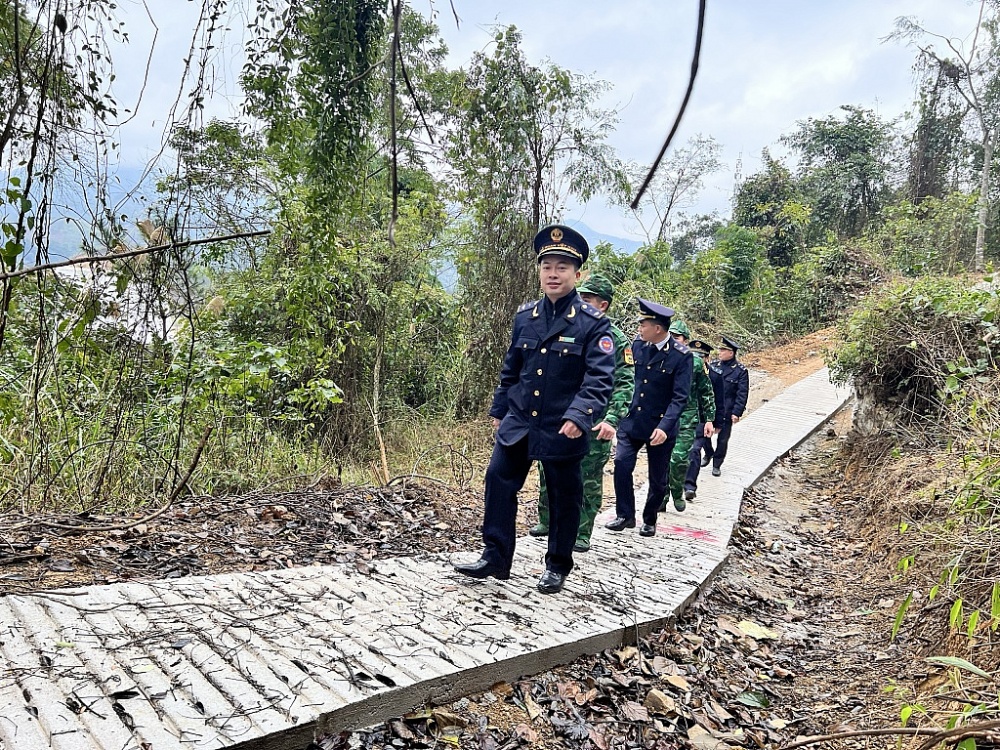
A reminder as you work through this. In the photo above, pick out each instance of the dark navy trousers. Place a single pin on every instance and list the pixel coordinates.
(658, 457)
(721, 444)
(509, 467)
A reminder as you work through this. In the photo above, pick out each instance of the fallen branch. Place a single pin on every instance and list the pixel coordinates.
(934, 736)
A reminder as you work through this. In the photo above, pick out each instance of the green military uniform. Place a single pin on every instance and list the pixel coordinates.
(600, 450)
(700, 408)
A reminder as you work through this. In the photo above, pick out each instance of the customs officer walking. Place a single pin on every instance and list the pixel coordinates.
(663, 371)
(598, 292)
(734, 390)
(697, 416)
(556, 377)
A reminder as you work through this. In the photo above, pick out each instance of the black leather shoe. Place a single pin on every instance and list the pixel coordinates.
(705, 461)
(620, 523)
(716, 471)
(690, 495)
(647, 530)
(551, 582)
(482, 568)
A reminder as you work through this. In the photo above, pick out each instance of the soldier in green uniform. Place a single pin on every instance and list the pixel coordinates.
(700, 409)
(597, 291)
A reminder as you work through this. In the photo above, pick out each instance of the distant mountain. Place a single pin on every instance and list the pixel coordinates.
(594, 237)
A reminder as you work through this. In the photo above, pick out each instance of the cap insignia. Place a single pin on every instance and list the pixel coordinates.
(556, 235)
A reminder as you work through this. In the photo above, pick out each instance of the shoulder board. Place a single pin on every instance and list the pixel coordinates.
(682, 348)
(528, 305)
(740, 366)
(591, 310)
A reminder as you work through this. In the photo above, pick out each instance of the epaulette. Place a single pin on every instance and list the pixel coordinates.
(682, 348)
(527, 306)
(740, 366)
(591, 310)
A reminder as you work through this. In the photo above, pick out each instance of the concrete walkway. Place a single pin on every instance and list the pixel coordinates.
(267, 659)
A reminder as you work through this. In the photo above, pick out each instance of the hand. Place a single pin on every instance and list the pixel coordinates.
(658, 438)
(709, 429)
(735, 419)
(604, 431)
(496, 424)
(570, 430)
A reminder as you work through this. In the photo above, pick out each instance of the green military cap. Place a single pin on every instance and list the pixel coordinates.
(599, 286)
(680, 327)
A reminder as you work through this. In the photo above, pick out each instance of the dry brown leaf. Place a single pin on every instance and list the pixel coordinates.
(597, 738)
(634, 711)
(677, 681)
(526, 733)
(659, 702)
(702, 739)
(503, 689)
(627, 654)
(569, 690)
(533, 709)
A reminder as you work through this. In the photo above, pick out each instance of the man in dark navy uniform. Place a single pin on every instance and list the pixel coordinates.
(663, 372)
(557, 376)
(733, 390)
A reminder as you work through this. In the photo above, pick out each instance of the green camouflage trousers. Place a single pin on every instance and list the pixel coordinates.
(592, 469)
(679, 459)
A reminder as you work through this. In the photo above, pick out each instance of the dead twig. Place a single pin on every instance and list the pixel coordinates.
(935, 736)
(145, 519)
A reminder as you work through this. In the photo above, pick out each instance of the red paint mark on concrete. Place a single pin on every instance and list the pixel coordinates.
(698, 534)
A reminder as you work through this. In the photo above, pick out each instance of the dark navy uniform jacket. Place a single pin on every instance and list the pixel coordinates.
(662, 384)
(732, 390)
(553, 373)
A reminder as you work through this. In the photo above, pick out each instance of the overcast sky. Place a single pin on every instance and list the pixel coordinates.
(764, 66)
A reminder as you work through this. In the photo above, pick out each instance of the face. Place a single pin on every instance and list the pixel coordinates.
(558, 276)
(680, 337)
(726, 354)
(650, 331)
(594, 301)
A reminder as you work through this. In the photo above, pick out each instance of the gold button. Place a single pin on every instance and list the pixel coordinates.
(544, 350)
(537, 393)
(534, 413)
(539, 371)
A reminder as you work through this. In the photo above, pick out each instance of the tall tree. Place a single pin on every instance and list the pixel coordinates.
(676, 184)
(973, 71)
(771, 203)
(845, 168)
